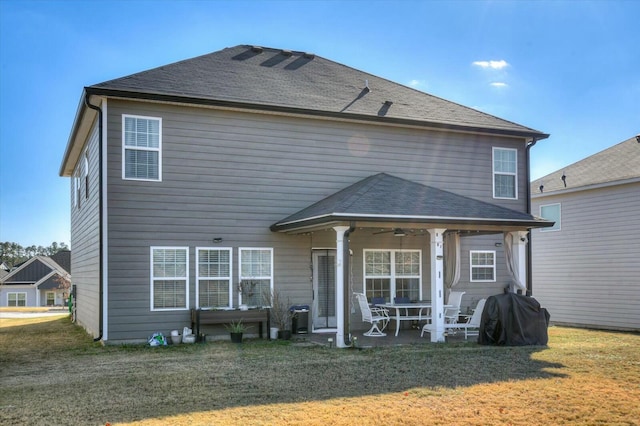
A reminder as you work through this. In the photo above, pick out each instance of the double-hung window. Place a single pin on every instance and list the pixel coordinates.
(393, 273)
(16, 299)
(213, 283)
(86, 174)
(483, 266)
(169, 278)
(505, 173)
(141, 148)
(256, 276)
(551, 212)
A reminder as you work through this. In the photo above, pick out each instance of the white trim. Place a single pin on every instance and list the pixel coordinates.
(105, 223)
(158, 150)
(393, 275)
(558, 222)
(176, 278)
(471, 266)
(198, 277)
(493, 173)
(261, 277)
(85, 176)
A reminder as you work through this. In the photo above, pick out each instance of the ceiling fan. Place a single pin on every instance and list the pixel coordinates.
(397, 232)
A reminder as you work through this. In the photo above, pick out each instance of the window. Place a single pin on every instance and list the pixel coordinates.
(86, 174)
(551, 212)
(483, 266)
(213, 278)
(76, 187)
(141, 148)
(256, 276)
(51, 298)
(505, 166)
(393, 273)
(169, 278)
(16, 299)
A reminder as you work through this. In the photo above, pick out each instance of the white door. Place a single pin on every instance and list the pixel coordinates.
(324, 289)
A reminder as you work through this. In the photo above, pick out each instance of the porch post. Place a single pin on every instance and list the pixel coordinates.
(520, 254)
(437, 284)
(340, 230)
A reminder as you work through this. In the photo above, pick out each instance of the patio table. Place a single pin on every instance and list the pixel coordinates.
(403, 311)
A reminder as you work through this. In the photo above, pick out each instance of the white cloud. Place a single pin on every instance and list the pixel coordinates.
(499, 84)
(496, 65)
(418, 83)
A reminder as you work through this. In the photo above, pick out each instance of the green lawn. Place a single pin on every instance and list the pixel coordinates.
(51, 373)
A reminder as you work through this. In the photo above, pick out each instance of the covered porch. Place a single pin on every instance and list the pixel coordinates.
(384, 206)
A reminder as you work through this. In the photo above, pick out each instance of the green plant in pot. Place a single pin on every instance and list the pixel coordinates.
(236, 330)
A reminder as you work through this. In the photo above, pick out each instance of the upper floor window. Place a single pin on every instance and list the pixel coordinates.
(551, 212)
(141, 148)
(213, 283)
(483, 265)
(505, 173)
(256, 276)
(169, 278)
(86, 174)
(390, 274)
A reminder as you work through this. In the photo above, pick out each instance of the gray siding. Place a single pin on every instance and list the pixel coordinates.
(231, 175)
(31, 294)
(588, 273)
(85, 242)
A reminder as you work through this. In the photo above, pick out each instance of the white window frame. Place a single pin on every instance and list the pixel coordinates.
(241, 276)
(176, 278)
(86, 174)
(17, 293)
(472, 266)
(200, 277)
(393, 276)
(558, 225)
(141, 148)
(46, 298)
(76, 186)
(494, 173)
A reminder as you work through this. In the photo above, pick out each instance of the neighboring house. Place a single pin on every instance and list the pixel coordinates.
(35, 282)
(261, 169)
(587, 271)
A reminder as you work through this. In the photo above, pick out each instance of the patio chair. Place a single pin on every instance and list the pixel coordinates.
(378, 317)
(471, 327)
(451, 314)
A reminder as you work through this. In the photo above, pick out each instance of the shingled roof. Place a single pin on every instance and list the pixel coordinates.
(385, 197)
(618, 163)
(281, 80)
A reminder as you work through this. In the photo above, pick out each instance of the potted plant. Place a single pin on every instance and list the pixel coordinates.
(281, 314)
(236, 329)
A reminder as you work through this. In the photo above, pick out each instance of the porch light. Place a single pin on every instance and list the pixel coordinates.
(399, 233)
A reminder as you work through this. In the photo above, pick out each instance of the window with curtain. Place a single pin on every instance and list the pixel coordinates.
(213, 277)
(505, 175)
(483, 266)
(392, 273)
(551, 212)
(256, 276)
(169, 278)
(141, 148)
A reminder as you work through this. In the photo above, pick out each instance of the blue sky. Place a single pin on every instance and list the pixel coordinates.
(568, 68)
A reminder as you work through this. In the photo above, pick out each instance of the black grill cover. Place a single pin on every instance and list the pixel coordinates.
(513, 320)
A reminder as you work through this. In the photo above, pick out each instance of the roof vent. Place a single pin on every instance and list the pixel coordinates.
(308, 55)
(286, 53)
(256, 49)
(366, 85)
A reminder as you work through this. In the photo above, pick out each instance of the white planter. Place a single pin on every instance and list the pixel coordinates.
(274, 333)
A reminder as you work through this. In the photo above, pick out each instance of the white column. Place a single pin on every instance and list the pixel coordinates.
(437, 284)
(340, 230)
(520, 255)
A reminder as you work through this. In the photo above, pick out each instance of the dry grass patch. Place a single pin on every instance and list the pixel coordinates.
(52, 370)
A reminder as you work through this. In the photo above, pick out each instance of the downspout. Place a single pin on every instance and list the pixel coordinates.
(100, 201)
(529, 250)
(346, 307)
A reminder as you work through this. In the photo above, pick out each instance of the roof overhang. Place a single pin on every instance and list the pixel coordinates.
(82, 124)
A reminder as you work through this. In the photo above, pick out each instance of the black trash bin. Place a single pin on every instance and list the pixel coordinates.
(300, 319)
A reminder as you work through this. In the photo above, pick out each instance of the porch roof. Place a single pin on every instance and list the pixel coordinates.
(387, 199)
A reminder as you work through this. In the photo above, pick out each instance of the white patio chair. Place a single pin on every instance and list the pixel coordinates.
(451, 313)
(471, 327)
(378, 317)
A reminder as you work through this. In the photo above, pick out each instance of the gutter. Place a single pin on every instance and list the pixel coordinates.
(529, 248)
(100, 221)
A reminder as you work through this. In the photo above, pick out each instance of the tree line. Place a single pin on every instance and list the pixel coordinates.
(13, 253)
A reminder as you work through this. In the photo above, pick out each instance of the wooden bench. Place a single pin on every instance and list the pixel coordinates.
(209, 316)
